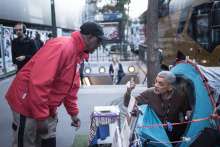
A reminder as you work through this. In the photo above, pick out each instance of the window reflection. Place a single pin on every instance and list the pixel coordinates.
(202, 31)
(215, 37)
(204, 27)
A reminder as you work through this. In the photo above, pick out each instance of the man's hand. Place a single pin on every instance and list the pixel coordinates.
(20, 58)
(42, 127)
(75, 122)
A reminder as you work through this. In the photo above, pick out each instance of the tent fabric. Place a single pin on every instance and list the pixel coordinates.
(203, 108)
(213, 76)
(155, 133)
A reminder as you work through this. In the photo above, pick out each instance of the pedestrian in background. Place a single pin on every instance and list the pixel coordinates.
(46, 82)
(116, 71)
(37, 40)
(23, 48)
(50, 36)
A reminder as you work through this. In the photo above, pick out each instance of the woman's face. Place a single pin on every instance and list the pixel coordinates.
(114, 60)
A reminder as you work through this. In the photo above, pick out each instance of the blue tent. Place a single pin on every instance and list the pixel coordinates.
(203, 108)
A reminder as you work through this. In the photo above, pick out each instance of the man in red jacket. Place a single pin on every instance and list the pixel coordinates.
(45, 82)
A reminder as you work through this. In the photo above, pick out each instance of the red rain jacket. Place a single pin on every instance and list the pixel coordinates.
(49, 79)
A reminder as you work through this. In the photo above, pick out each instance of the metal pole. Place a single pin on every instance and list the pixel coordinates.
(53, 19)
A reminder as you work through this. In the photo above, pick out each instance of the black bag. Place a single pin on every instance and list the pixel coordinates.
(209, 137)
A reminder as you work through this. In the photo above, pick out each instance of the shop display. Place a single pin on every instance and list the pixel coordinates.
(7, 38)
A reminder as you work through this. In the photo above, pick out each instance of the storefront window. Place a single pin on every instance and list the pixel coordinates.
(8, 35)
(6, 65)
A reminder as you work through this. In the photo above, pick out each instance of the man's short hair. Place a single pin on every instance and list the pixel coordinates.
(168, 76)
(23, 26)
